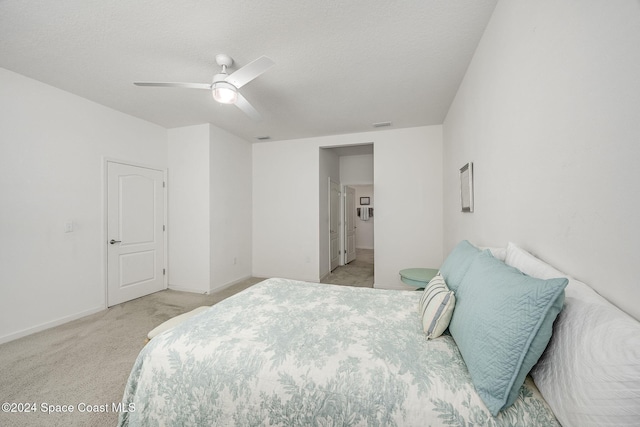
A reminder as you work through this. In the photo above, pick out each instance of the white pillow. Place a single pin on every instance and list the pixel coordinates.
(436, 307)
(498, 253)
(590, 372)
(530, 265)
(535, 267)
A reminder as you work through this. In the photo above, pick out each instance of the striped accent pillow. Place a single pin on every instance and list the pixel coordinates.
(436, 307)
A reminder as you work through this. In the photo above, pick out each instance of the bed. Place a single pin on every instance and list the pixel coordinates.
(292, 353)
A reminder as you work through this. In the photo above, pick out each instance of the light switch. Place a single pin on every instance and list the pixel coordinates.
(68, 226)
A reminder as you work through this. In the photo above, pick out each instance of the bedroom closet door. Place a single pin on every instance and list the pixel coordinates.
(135, 232)
(350, 224)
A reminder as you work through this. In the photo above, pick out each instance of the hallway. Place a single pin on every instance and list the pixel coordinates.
(358, 272)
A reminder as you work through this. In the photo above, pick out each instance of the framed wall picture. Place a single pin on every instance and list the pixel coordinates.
(365, 201)
(466, 187)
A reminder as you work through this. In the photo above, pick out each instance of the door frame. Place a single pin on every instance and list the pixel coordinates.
(339, 225)
(105, 220)
(343, 228)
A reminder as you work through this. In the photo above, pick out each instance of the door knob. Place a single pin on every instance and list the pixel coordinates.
(113, 242)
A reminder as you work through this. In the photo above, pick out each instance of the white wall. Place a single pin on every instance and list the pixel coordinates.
(209, 208)
(548, 112)
(52, 150)
(230, 218)
(329, 168)
(286, 209)
(356, 169)
(408, 185)
(188, 206)
(408, 210)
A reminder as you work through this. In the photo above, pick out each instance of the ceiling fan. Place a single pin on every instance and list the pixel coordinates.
(225, 86)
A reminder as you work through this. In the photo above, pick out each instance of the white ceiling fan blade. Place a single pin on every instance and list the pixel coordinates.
(247, 108)
(250, 71)
(206, 86)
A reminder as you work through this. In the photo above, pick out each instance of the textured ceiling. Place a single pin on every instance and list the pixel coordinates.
(340, 65)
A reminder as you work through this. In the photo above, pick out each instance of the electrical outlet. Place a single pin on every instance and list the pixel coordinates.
(68, 226)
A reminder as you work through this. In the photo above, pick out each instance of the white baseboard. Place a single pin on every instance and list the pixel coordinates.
(187, 289)
(364, 247)
(228, 284)
(49, 325)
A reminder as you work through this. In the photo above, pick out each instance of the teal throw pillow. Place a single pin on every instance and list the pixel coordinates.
(457, 263)
(502, 323)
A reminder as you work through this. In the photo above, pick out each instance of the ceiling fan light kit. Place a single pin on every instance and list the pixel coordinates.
(225, 86)
(224, 93)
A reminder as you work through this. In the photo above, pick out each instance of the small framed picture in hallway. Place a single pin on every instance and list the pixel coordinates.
(466, 187)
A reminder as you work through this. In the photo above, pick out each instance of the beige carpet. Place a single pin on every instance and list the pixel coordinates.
(358, 272)
(87, 361)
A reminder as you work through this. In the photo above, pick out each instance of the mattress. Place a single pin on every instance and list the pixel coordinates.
(286, 352)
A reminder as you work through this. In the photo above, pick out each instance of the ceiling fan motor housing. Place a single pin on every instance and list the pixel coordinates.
(224, 60)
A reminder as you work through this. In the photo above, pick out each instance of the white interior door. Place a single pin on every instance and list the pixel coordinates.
(135, 232)
(334, 223)
(350, 224)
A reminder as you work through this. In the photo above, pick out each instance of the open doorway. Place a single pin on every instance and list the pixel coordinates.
(350, 231)
(357, 267)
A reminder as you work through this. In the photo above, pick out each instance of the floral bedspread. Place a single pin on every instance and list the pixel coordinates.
(292, 353)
